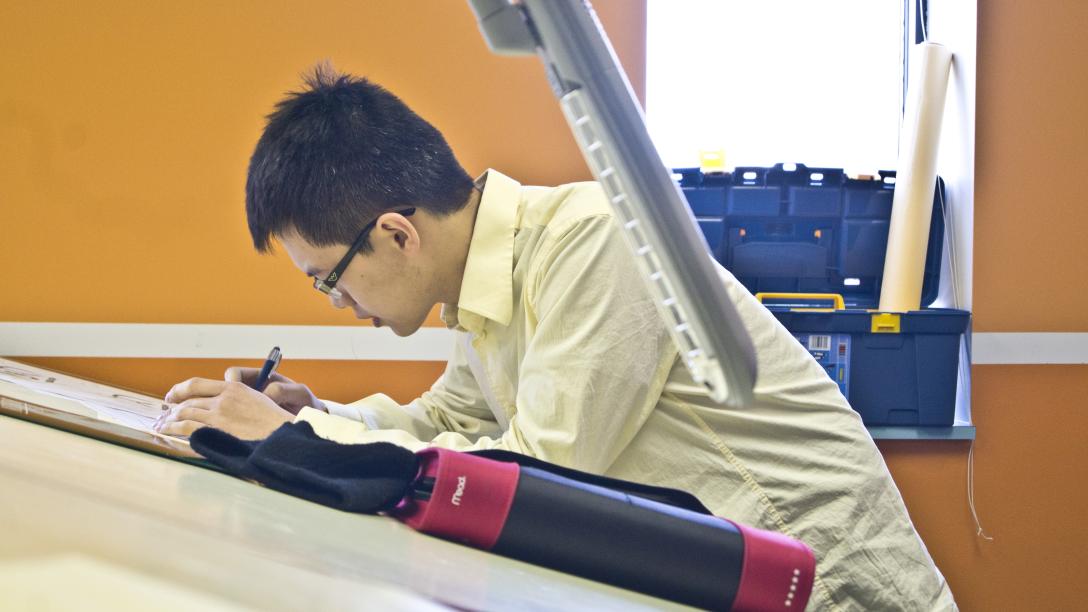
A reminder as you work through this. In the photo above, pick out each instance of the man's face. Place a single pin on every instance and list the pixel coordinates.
(386, 285)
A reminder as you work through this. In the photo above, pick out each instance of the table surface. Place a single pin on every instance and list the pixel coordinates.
(108, 527)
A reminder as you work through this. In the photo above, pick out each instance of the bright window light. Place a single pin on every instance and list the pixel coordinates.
(817, 82)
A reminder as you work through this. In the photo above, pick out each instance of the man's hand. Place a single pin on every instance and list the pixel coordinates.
(290, 395)
(227, 405)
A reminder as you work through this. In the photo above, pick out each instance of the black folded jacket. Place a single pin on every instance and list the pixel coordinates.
(367, 478)
(354, 477)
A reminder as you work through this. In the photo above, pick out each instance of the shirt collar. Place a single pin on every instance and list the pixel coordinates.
(487, 288)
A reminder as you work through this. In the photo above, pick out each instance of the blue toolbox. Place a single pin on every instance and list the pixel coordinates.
(810, 243)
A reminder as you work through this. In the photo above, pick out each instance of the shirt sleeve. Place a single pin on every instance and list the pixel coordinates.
(596, 362)
(453, 404)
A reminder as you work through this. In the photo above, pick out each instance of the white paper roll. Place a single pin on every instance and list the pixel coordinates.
(916, 176)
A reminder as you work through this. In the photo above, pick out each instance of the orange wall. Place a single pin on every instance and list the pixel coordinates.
(1031, 452)
(125, 128)
(1030, 215)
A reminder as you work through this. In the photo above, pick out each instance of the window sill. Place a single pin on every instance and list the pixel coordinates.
(909, 432)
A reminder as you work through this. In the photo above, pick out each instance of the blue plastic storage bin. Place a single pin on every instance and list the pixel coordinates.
(800, 231)
(906, 377)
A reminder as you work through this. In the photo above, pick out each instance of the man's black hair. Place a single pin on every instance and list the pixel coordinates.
(339, 153)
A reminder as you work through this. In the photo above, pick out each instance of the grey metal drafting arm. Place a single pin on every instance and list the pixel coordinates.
(607, 123)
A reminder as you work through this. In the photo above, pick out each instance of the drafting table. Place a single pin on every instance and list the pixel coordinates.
(105, 525)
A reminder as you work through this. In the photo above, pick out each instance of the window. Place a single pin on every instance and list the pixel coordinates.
(820, 83)
(767, 81)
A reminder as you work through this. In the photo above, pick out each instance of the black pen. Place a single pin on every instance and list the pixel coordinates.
(268, 368)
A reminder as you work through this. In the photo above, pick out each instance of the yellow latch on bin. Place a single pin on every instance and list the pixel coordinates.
(885, 323)
(712, 161)
(836, 300)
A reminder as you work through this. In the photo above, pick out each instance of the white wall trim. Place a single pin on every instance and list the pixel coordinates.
(1029, 348)
(220, 341)
(180, 341)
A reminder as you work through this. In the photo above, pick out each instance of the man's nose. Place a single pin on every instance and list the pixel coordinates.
(340, 300)
(345, 301)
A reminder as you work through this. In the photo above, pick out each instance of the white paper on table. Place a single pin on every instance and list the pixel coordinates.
(77, 396)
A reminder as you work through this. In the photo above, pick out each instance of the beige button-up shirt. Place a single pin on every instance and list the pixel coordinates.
(562, 356)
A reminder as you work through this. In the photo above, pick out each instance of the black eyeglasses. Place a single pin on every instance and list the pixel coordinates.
(327, 285)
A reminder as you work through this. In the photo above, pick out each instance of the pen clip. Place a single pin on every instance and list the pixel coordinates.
(274, 356)
(270, 365)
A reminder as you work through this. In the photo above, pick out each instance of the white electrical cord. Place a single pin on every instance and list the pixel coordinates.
(922, 21)
(971, 492)
(950, 243)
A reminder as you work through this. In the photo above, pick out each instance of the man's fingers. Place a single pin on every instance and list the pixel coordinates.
(195, 387)
(240, 374)
(192, 410)
(181, 428)
(277, 391)
(198, 409)
(292, 397)
(237, 410)
(248, 376)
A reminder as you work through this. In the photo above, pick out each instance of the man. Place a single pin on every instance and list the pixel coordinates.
(561, 352)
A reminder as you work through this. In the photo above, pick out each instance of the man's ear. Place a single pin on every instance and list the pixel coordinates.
(397, 229)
